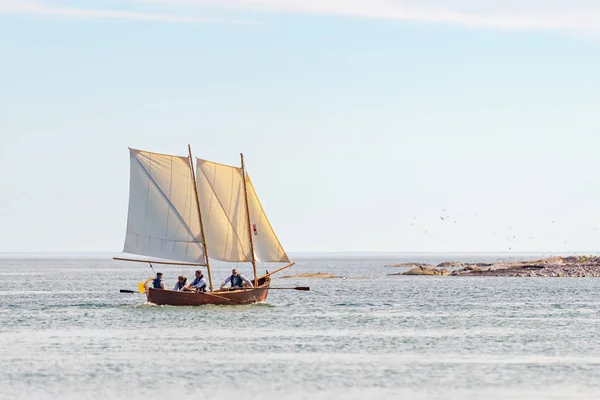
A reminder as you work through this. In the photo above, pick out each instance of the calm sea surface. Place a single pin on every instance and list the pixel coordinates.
(66, 332)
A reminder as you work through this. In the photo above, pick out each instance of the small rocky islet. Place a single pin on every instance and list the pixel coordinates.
(572, 266)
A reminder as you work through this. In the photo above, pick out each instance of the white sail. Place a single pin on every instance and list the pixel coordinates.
(163, 220)
(221, 193)
(266, 245)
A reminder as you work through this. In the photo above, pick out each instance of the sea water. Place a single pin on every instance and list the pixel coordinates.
(66, 332)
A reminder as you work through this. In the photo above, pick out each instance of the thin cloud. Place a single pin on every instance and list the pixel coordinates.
(49, 9)
(579, 16)
(572, 15)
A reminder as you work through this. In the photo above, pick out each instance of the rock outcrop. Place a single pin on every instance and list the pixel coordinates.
(425, 271)
(573, 266)
(409, 265)
(450, 264)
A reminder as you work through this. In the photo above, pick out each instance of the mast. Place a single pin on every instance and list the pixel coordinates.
(210, 282)
(248, 217)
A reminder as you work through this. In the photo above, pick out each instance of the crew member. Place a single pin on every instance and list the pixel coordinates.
(199, 283)
(237, 280)
(158, 282)
(182, 283)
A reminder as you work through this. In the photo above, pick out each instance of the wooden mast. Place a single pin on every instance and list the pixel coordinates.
(210, 281)
(248, 217)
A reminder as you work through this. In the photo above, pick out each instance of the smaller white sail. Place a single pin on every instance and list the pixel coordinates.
(163, 220)
(266, 244)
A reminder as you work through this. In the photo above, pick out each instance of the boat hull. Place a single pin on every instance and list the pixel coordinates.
(234, 297)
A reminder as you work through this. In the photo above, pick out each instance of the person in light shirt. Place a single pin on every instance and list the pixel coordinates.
(199, 283)
(182, 283)
(236, 280)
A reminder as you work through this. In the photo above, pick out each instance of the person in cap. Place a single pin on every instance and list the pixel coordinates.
(182, 283)
(199, 283)
(158, 282)
(236, 280)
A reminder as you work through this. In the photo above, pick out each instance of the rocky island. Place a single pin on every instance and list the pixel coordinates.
(573, 266)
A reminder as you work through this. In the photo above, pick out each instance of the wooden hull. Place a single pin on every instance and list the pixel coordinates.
(232, 297)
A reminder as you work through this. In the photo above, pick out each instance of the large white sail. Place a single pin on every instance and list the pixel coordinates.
(221, 193)
(266, 245)
(163, 220)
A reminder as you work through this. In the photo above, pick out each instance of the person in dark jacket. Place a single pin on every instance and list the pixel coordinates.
(237, 280)
(158, 282)
(199, 283)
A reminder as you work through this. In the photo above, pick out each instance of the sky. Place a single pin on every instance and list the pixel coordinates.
(373, 125)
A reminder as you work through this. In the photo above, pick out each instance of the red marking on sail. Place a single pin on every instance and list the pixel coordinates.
(254, 227)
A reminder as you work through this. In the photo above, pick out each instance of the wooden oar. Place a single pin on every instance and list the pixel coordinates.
(207, 294)
(306, 288)
(220, 297)
(141, 286)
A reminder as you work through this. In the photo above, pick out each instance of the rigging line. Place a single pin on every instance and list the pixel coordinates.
(164, 196)
(221, 204)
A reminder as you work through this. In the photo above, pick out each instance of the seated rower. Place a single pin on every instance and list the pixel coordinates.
(182, 283)
(199, 283)
(237, 280)
(158, 282)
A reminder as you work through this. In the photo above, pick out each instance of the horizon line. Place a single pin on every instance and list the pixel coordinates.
(366, 252)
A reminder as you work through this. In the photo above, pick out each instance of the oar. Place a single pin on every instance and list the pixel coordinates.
(290, 288)
(207, 294)
(141, 286)
(220, 297)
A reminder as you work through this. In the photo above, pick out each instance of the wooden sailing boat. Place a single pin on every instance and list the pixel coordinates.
(178, 215)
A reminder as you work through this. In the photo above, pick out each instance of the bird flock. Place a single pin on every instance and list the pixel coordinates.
(510, 235)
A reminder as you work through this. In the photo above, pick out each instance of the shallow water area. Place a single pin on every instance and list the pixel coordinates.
(67, 332)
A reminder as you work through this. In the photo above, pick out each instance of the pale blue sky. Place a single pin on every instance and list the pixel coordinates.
(358, 119)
